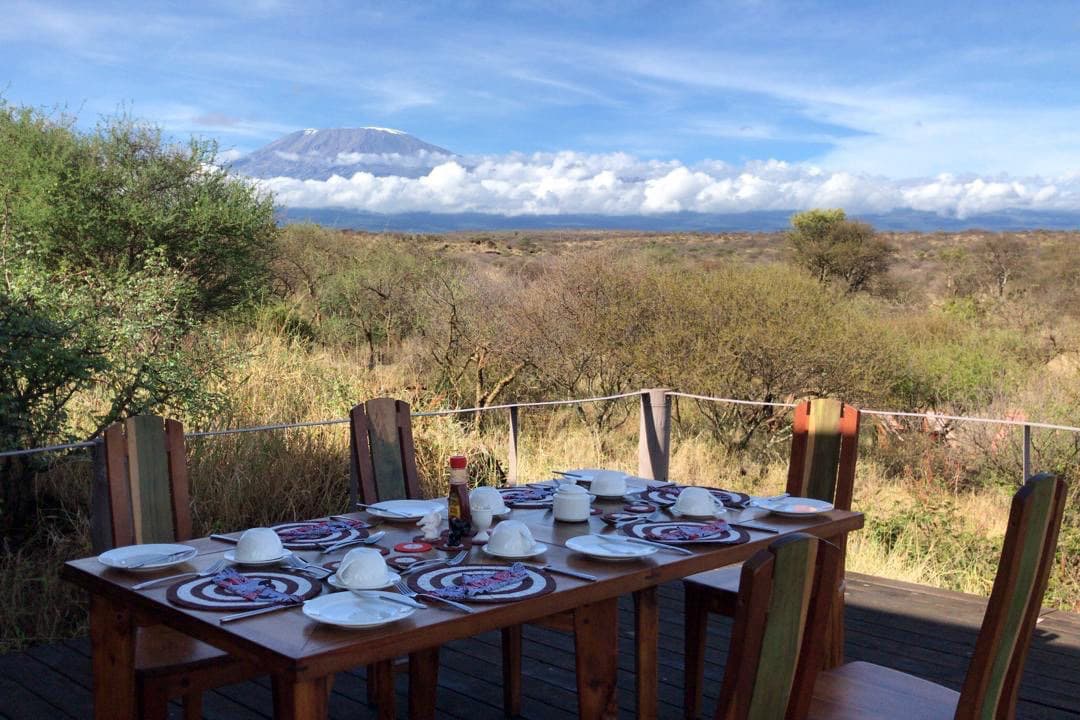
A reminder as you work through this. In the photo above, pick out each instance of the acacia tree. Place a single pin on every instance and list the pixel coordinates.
(834, 248)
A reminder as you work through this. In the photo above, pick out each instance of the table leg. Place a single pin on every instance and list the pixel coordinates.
(423, 683)
(646, 638)
(112, 642)
(300, 699)
(596, 635)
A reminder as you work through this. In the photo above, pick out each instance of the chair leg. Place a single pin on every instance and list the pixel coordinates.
(511, 659)
(193, 706)
(154, 704)
(697, 623)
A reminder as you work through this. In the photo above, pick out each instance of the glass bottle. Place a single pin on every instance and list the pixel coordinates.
(458, 499)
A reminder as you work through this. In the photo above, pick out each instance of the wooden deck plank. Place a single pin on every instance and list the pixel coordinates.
(925, 631)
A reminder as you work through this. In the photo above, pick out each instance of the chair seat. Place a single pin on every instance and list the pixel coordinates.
(860, 690)
(718, 589)
(160, 650)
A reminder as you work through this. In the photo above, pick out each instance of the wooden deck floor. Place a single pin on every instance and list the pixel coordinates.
(916, 629)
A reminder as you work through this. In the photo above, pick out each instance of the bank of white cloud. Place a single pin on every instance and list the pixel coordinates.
(620, 184)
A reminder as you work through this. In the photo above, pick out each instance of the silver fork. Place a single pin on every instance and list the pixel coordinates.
(211, 570)
(405, 590)
(424, 564)
(303, 565)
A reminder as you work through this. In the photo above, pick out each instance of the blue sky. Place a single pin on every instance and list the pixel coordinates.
(877, 89)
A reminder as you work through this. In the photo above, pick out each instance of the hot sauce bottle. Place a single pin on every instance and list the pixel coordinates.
(458, 498)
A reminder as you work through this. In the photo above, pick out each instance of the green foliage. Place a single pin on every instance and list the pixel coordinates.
(112, 201)
(834, 248)
(114, 250)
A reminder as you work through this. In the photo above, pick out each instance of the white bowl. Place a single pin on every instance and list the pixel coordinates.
(511, 537)
(608, 483)
(362, 568)
(258, 545)
(695, 501)
(488, 497)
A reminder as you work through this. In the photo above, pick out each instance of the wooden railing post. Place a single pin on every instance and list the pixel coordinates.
(512, 450)
(654, 435)
(1027, 452)
(100, 513)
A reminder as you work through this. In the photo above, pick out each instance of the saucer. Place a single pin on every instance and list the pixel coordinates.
(604, 549)
(349, 610)
(390, 579)
(230, 556)
(795, 506)
(536, 549)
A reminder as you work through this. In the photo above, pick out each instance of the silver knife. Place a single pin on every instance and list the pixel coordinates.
(261, 611)
(561, 571)
(639, 541)
(150, 559)
(391, 597)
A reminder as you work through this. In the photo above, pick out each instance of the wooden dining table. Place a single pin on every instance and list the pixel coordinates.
(302, 655)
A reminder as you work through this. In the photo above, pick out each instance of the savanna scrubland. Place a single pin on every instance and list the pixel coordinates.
(139, 277)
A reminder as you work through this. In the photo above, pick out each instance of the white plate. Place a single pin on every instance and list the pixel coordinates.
(122, 558)
(230, 555)
(391, 578)
(355, 611)
(609, 549)
(537, 549)
(795, 506)
(412, 509)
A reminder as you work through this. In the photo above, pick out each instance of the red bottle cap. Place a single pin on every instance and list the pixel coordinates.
(458, 461)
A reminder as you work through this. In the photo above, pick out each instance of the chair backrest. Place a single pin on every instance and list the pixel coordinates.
(824, 448)
(778, 639)
(146, 471)
(382, 456)
(993, 678)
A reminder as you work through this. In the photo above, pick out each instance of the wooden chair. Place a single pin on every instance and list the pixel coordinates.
(992, 684)
(824, 448)
(148, 502)
(781, 617)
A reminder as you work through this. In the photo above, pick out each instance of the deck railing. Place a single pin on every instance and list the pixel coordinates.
(654, 435)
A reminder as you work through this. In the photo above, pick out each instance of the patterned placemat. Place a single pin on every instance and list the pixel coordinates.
(202, 594)
(668, 532)
(534, 582)
(313, 534)
(668, 495)
(526, 497)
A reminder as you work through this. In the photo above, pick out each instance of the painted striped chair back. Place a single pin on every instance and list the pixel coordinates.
(778, 641)
(382, 455)
(824, 448)
(993, 679)
(146, 470)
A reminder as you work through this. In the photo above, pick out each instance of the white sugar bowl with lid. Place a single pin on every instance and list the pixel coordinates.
(571, 503)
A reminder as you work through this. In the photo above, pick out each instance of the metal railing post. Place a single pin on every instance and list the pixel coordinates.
(1027, 452)
(512, 449)
(654, 435)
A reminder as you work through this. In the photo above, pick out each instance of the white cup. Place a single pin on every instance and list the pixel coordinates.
(258, 545)
(487, 497)
(511, 537)
(362, 568)
(608, 482)
(696, 501)
(571, 504)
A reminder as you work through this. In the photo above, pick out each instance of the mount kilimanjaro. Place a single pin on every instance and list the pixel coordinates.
(320, 154)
